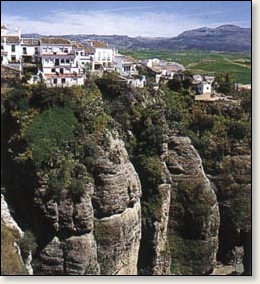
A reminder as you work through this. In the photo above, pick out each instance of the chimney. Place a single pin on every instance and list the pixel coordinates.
(19, 32)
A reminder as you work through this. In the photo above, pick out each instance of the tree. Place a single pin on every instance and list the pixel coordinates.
(175, 84)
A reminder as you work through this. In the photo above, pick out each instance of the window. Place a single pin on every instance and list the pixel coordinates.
(2, 59)
(36, 50)
(82, 53)
(55, 81)
(2, 47)
(61, 70)
(53, 70)
(63, 80)
(127, 68)
(24, 50)
(66, 50)
(13, 59)
(77, 53)
(62, 61)
(13, 48)
(67, 61)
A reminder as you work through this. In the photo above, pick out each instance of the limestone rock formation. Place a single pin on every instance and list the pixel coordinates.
(8, 221)
(117, 184)
(233, 188)
(118, 241)
(99, 233)
(194, 213)
(162, 255)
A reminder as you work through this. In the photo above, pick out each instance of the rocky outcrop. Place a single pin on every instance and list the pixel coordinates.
(8, 221)
(117, 184)
(193, 214)
(99, 233)
(162, 255)
(118, 240)
(233, 189)
(116, 201)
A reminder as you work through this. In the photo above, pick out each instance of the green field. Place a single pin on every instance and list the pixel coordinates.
(238, 65)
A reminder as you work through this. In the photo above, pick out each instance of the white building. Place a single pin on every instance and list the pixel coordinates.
(163, 69)
(55, 45)
(138, 82)
(204, 88)
(125, 65)
(31, 49)
(84, 56)
(61, 69)
(103, 56)
(10, 46)
(59, 64)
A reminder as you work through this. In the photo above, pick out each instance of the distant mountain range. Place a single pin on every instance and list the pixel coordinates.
(223, 38)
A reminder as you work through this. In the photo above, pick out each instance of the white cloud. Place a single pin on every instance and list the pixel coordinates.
(135, 23)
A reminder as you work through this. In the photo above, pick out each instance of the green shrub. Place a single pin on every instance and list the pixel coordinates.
(237, 130)
(28, 242)
(189, 257)
(49, 131)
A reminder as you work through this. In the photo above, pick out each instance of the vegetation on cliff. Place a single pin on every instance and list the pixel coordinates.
(50, 136)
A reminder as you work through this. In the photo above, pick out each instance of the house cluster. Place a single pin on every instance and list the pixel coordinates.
(62, 62)
(163, 69)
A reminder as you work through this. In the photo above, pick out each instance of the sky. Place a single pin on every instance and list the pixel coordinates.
(132, 18)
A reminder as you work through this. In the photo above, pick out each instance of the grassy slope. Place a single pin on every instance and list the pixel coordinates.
(204, 61)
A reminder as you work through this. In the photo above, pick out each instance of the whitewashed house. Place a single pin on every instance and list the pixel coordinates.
(59, 64)
(103, 56)
(125, 65)
(55, 45)
(204, 88)
(137, 81)
(163, 69)
(84, 56)
(31, 50)
(10, 46)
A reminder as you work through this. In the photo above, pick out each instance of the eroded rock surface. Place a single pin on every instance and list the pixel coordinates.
(99, 233)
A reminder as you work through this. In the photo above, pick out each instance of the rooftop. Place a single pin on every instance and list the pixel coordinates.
(30, 41)
(10, 39)
(54, 40)
(83, 45)
(96, 43)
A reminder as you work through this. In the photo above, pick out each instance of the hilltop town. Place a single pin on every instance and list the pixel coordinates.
(120, 165)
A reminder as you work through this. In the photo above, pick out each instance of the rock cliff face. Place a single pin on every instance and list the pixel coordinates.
(184, 237)
(162, 256)
(193, 214)
(8, 221)
(100, 233)
(233, 189)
